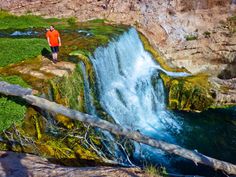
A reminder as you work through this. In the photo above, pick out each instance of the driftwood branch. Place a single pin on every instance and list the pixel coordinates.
(44, 104)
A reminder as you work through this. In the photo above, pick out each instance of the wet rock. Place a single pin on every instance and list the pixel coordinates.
(59, 69)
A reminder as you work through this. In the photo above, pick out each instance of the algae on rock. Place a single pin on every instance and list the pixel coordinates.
(69, 91)
(55, 136)
(190, 93)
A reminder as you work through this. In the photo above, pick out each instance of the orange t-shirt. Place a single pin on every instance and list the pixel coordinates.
(53, 37)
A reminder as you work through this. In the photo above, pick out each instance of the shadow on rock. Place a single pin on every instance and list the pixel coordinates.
(11, 165)
(229, 72)
(46, 53)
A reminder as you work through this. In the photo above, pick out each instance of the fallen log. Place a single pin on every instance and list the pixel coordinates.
(196, 157)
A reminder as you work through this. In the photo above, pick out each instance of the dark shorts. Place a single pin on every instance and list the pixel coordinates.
(55, 49)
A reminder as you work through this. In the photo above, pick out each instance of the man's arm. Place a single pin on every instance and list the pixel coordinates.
(48, 41)
(59, 40)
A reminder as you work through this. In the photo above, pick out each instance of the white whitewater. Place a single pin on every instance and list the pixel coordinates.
(130, 89)
(129, 86)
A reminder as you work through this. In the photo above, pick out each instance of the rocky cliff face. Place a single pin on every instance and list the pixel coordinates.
(196, 35)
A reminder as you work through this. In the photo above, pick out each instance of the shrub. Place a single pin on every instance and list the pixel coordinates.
(71, 21)
(153, 171)
(14, 80)
(207, 34)
(191, 37)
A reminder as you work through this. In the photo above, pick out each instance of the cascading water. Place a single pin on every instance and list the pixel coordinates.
(131, 91)
(120, 155)
(130, 88)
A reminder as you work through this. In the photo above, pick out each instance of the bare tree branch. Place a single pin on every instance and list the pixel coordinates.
(44, 104)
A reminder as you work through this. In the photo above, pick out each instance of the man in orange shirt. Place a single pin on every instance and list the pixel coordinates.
(54, 41)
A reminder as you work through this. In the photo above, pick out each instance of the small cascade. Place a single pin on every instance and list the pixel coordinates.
(130, 88)
(119, 154)
(88, 98)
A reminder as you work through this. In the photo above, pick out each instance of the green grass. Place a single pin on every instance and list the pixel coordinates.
(14, 80)
(26, 21)
(10, 112)
(10, 21)
(98, 21)
(16, 50)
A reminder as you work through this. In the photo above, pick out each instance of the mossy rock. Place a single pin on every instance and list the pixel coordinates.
(157, 55)
(38, 132)
(190, 93)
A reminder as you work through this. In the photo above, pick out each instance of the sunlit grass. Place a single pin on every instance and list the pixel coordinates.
(14, 80)
(16, 50)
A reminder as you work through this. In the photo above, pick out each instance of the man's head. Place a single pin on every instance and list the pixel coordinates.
(52, 28)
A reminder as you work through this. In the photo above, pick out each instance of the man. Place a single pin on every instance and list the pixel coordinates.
(54, 41)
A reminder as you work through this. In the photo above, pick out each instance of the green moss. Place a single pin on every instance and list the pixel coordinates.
(71, 88)
(188, 93)
(28, 65)
(92, 36)
(10, 112)
(69, 91)
(83, 56)
(14, 80)
(16, 50)
(37, 128)
(36, 135)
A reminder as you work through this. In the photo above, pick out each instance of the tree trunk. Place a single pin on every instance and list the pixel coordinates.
(44, 104)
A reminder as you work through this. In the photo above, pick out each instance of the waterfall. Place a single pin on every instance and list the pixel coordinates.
(132, 92)
(130, 88)
(90, 108)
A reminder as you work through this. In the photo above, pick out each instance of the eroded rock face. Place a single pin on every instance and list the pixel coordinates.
(166, 23)
(185, 5)
(188, 33)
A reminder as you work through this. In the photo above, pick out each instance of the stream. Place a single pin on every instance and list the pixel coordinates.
(131, 91)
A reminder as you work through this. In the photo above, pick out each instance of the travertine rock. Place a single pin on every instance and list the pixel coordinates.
(166, 23)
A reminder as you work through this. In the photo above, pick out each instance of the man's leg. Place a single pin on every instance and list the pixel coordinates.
(55, 51)
(54, 57)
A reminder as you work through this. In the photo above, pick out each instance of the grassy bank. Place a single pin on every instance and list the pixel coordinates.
(49, 135)
(11, 109)
(10, 21)
(16, 50)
